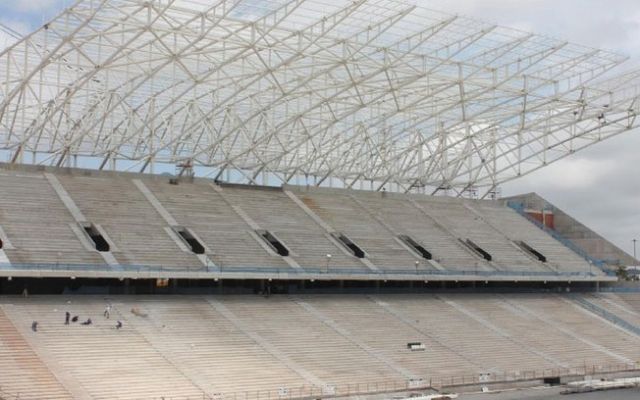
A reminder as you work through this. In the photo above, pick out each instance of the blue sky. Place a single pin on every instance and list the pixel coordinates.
(600, 186)
(22, 15)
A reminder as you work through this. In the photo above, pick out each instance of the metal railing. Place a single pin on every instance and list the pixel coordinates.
(620, 289)
(608, 315)
(519, 208)
(444, 384)
(439, 384)
(333, 270)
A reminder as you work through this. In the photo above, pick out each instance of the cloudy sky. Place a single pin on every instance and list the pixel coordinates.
(601, 185)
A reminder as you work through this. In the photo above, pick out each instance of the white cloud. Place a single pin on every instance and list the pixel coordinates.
(21, 27)
(601, 185)
(5, 40)
(8, 37)
(613, 25)
(572, 174)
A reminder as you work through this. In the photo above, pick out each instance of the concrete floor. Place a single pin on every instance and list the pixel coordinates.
(554, 394)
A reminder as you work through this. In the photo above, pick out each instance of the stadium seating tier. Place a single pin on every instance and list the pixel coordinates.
(43, 216)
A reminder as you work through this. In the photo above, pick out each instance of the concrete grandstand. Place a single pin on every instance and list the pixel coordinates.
(306, 346)
(299, 199)
(89, 224)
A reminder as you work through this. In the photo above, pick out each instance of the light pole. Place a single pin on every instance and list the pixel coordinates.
(328, 261)
(634, 249)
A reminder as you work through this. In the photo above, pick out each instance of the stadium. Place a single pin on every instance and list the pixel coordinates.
(301, 199)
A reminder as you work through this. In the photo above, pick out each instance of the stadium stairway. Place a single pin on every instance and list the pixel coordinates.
(317, 351)
(452, 327)
(190, 346)
(422, 263)
(401, 216)
(275, 247)
(99, 361)
(380, 356)
(137, 230)
(611, 311)
(207, 346)
(173, 228)
(200, 208)
(467, 307)
(42, 216)
(38, 224)
(467, 225)
(276, 212)
(629, 303)
(22, 371)
(623, 305)
(603, 342)
(344, 215)
(518, 228)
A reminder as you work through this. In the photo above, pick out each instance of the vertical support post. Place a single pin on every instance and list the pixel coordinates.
(174, 285)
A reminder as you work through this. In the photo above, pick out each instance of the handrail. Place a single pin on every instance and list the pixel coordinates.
(335, 270)
(445, 383)
(609, 316)
(519, 208)
(617, 289)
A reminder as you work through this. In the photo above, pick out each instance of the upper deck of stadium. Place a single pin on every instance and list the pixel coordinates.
(61, 222)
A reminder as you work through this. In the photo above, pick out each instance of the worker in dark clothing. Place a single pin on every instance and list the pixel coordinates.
(67, 316)
(118, 325)
(87, 322)
(34, 326)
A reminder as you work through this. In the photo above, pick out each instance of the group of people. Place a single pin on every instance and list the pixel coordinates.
(68, 319)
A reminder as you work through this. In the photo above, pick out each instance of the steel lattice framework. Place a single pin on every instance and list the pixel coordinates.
(375, 91)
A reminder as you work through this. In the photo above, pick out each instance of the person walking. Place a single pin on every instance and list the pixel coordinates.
(67, 317)
(107, 311)
(34, 326)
